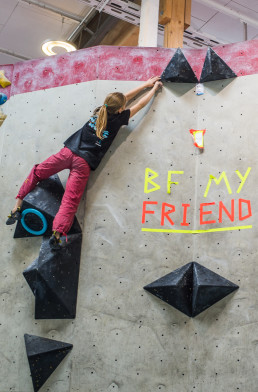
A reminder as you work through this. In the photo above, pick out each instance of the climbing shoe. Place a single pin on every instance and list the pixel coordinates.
(14, 216)
(55, 243)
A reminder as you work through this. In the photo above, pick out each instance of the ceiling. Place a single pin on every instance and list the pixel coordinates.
(24, 27)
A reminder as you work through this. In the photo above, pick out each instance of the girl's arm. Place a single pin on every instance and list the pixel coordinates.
(145, 99)
(149, 83)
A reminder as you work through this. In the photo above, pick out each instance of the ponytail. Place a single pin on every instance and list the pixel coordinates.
(112, 104)
(101, 121)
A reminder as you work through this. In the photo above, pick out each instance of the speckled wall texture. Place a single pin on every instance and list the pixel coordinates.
(124, 338)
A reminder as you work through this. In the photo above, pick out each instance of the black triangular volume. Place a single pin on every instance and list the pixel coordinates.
(44, 355)
(215, 68)
(191, 288)
(208, 288)
(31, 275)
(33, 222)
(45, 198)
(175, 288)
(53, 279)
(179, 70)
(47, 300)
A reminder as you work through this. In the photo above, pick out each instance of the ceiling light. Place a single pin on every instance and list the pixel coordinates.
(49, 45)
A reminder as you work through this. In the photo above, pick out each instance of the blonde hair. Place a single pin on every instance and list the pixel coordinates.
(112, 103)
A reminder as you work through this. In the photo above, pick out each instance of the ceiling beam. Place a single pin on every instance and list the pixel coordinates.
(13, 54)
(230, 12)
(102, 5)
(188, 11)
(116, 34)
(164, 14)
(123, 9)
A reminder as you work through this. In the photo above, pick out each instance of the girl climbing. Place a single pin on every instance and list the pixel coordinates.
(82, 153)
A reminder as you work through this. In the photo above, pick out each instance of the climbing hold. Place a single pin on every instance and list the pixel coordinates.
(179, 70)
(3, 98)
(44, 355)
(40, 215)
(46, 199)
(215, 68)
(53, 278)
(2, 117)
(199, 88)
(4, 82)
(191, 288)
(198, 137)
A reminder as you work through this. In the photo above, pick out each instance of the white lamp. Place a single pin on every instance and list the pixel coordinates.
(47, 47)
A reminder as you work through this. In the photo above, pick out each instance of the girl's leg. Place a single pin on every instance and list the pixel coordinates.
(54, 164)
(75, 185)
(18, 204)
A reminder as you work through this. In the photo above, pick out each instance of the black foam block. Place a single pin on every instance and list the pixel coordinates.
(215, 68)
(44, 355)
(53, 278)
(46, 198)
(179, 70)
(191, 288)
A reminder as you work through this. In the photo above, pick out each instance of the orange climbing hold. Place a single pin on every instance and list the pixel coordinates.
(198, 137)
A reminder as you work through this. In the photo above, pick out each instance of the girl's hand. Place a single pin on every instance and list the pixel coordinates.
(150, 82)
(157, 85)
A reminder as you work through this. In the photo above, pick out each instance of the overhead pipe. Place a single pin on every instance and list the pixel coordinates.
(87, 19)
(81, 26)
(228, 11)
(245, 31)
(13, 54)
(102, 5)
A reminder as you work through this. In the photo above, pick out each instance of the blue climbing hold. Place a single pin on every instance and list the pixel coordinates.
(3, 99)
(40, 215)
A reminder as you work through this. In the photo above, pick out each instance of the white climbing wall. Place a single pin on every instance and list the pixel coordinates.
(124, 338)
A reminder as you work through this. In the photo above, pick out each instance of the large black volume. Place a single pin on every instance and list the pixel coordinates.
(53, 278)
(191, 288)
(215, 68)
(179, 70)
(44, 355)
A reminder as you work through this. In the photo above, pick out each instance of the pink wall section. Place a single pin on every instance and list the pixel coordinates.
(118, 63)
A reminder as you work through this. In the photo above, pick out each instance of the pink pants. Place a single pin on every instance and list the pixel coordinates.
(78, 177)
